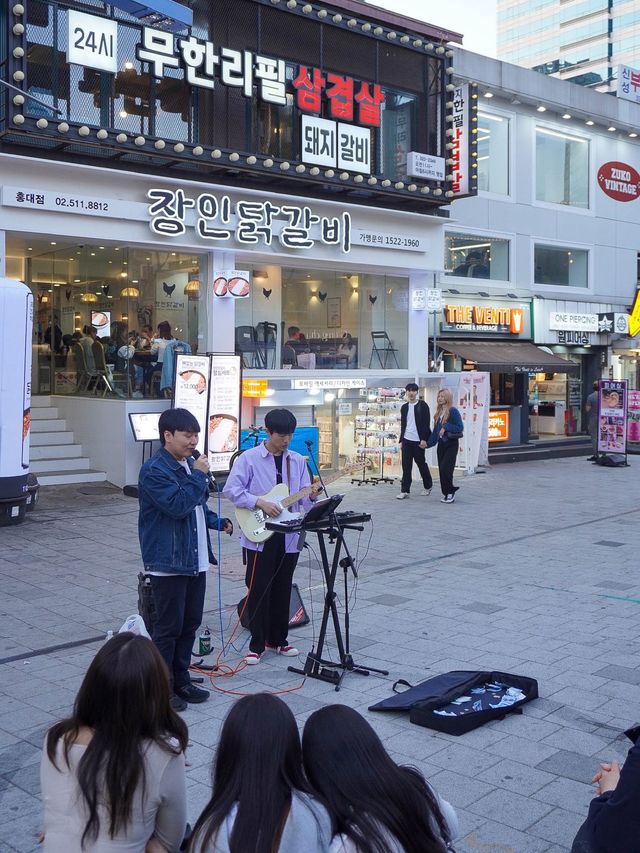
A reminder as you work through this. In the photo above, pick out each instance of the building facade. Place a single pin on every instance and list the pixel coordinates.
(253, 177)
(552, 236)
(581, 40)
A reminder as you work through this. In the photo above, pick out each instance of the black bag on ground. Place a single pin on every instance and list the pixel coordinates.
(460, 701)
(611, 460)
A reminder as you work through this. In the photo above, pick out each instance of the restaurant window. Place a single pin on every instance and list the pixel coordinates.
(561, 265)
(107, 293)
(562, 168)
(493, 153)
(475, 256)
(322, 319)
(398, 122)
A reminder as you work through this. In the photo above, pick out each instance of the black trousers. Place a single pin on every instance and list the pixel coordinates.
(270, 593)
(447, 453)
(412, 452)
(179, 602)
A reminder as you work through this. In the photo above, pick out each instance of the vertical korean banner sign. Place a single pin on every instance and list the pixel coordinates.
(612, 416)
(460, 140)
(633, 415)
(191, 389)
(223, 427)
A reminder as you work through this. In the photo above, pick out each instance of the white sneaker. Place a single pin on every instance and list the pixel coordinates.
(402, 496)
(252, 658)
(448, 499)
(426, 492)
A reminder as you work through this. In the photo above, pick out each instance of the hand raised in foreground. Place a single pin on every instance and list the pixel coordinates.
(607, 778)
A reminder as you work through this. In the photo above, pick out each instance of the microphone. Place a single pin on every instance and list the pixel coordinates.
(210, 478)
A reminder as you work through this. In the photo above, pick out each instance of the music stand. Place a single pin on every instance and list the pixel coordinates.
(315, 665)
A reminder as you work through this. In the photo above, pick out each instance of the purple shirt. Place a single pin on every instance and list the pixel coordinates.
(254, 474)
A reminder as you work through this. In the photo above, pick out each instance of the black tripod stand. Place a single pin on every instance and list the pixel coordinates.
(332, 533)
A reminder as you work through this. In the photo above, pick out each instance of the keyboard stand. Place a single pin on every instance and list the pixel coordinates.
(315, 665)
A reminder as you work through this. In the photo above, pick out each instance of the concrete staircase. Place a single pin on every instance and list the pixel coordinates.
(577, 445)
(55, 458)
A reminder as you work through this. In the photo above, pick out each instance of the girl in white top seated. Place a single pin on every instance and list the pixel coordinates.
(260, 801)
(376, 806)
(113, 773)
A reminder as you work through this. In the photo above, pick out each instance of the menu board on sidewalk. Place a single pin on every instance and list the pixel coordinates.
(633, 415)
(191, 389)
(224, 410)
(612, 416)
(209, 387)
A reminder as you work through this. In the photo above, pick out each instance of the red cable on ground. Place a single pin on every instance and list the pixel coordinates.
(226, 671)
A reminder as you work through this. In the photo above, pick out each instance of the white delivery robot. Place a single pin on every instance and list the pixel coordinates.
(16, 322)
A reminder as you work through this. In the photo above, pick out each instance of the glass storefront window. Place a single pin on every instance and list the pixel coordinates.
(562, 168)
(475, 256)
(110, 294)
(493, 153)
(321, 319)
(561, 265)
(398, 123)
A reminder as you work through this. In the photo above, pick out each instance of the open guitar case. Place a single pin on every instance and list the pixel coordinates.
(457, 702)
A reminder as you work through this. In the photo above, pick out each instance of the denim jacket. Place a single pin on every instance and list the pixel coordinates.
(167, 525)
(453, 428)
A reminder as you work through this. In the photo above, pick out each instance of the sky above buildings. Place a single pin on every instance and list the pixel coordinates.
(475, 19)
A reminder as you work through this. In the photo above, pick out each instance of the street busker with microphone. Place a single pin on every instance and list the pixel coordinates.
(270, 564)
(173, 527)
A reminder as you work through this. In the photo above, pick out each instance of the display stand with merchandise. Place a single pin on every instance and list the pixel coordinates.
(377, 430)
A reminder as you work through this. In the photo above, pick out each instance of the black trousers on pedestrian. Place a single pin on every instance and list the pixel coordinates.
(270, 593)
(412, 452)
(179, 602)
(447, 453)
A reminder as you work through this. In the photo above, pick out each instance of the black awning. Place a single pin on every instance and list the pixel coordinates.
(509, 357)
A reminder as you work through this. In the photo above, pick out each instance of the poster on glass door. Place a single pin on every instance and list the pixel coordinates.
(209, 386)
(612, 416)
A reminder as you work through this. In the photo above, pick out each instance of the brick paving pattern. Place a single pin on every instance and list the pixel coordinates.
(534, 570)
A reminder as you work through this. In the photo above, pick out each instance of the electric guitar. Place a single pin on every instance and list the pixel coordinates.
(252, 521)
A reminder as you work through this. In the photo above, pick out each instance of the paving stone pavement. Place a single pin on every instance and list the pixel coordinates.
(534, 569)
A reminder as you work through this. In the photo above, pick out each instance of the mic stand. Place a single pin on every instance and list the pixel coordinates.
(317, 467)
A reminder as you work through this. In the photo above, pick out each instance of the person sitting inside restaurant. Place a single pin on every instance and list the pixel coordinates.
(347, 354)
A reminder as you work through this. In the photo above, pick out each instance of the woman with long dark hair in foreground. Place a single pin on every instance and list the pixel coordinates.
(112, 774)
(260, 801)
(376, 806)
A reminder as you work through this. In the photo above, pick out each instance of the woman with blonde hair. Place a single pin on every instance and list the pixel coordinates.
(447, 430)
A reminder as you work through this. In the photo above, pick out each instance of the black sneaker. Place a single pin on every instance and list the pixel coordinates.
(177, 703)
(191, 693)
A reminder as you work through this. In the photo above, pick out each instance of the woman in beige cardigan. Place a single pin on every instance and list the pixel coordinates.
(112, 773)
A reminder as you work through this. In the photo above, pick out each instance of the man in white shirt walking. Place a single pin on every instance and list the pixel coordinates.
(415, 418)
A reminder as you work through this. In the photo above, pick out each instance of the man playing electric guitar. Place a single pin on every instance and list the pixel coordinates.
(270, 564)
